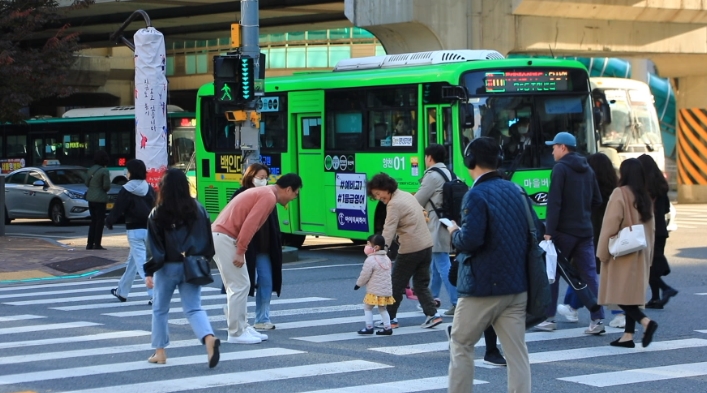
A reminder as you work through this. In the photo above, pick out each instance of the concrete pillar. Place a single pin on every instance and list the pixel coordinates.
(639, 69)
(692, 139)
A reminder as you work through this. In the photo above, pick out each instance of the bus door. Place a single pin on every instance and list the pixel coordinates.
(438, 124)
(310, 161)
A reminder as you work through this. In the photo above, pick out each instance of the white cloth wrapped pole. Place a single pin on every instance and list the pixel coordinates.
(550, 259)
(151, 103)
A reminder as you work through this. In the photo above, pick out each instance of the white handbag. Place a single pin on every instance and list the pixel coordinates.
(630, 239)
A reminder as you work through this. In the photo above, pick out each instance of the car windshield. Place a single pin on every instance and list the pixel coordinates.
(67, 176)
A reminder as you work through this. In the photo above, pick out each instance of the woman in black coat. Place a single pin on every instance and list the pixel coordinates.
(658, 190)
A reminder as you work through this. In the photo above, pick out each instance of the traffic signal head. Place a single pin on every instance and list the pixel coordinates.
(234, 79)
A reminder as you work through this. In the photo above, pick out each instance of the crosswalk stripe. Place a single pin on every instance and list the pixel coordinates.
(325, 338)
(647, 374)
(280, 313)
(53, 326)
(37, 357)
(338, 321)
(60, 285)
(407, 386)
(83, 298)
(129, 303)
(241, 378)
(403, 350)
(75, 339)
(25, 317)
(218, 306)
(113, 368)
(594, 352)
(49, 293)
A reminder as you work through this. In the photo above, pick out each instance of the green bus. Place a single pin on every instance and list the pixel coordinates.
(73, 139)
(377, 114)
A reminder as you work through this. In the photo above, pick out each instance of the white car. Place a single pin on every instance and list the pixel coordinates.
(54, 192)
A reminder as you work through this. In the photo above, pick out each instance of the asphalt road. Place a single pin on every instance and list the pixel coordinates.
(75, 336)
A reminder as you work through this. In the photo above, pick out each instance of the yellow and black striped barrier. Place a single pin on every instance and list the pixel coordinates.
(692, 155)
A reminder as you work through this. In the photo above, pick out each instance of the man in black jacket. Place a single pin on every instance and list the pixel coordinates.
(574, 191)
(135, 200)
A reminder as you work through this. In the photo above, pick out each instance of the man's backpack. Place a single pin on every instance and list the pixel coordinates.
(453, 192)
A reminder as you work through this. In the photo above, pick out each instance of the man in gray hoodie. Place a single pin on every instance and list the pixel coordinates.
(574, 191)
(135, 201)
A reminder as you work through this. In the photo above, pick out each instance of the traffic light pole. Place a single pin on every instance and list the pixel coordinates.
(250, 23)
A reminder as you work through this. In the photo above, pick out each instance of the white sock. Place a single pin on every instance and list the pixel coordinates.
(368, 316)
(385, 317)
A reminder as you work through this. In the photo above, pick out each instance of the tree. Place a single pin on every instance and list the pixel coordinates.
(28, 71)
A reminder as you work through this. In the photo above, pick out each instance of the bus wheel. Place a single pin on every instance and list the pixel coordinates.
(292, 240)
(57, 215)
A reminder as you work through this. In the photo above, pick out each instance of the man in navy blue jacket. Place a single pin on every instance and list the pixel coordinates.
(491, 278)
(573, 192)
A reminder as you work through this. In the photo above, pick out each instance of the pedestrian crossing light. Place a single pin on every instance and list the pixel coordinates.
(227, 78)
(234, 79)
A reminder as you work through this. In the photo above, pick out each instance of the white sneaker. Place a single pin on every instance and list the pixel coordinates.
(244, 338)
(596, 327)
(255, 333)
(546, 326)
(264, 326)
(568, 312)
(619, 321)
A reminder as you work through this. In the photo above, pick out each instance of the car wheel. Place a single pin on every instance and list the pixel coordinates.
(57, 215)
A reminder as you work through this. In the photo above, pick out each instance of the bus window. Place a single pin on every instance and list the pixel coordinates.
(432, 125)
(16, 145)
(311, 133)
(273, 132)
(345, 131)
(120, 143)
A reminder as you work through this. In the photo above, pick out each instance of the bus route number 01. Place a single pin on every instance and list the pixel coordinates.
(397, 163)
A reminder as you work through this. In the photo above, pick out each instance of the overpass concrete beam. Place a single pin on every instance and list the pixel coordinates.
(627, 10)
(591, 37)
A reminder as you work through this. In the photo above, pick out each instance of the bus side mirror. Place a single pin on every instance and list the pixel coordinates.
(466, 116)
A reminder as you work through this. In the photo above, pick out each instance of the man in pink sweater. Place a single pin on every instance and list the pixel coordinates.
(233, 230)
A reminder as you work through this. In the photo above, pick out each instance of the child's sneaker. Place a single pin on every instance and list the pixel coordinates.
(431, 322)
(366, 330)
(385, 332)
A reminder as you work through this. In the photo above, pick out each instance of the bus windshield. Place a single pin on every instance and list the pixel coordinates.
(633, 120)
(521, 125)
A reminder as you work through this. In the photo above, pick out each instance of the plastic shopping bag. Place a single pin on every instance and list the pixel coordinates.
(550, 259)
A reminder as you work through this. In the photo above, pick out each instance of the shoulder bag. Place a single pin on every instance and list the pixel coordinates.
(539, 296)
(197, 268)
(630, 239)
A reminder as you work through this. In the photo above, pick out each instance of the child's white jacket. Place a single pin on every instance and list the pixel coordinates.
(375, 275)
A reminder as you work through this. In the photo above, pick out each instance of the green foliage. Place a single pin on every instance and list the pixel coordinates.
(36, 52)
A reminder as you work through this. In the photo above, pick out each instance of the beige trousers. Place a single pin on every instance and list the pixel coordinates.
(471, 317)
(236, 281)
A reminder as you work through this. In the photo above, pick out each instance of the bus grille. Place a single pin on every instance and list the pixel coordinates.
(229, 192)
(211, 200)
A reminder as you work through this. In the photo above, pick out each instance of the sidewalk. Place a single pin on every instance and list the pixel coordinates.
(25, 259)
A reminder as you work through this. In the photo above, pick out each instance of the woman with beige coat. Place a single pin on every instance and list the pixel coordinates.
(624, 280)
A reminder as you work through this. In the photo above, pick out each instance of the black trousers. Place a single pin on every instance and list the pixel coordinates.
(633, 315)
(655, 280)
(98, 219)
(417, 266)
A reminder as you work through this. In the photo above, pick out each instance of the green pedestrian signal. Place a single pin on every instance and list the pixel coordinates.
(226, 96)
(234, 79)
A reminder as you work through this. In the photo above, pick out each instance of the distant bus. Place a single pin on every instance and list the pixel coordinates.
(378, 114)
(73, 139)
(630, 126)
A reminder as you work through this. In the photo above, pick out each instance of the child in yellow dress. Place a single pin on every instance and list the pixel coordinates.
(375, 275)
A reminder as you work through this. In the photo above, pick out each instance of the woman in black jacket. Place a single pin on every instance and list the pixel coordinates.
(135, 201)
(178, 226)
(658, 190)
(264, 254)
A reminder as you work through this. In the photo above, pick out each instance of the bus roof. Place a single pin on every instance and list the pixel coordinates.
(618, 83)
(110, 111)
(447, 72)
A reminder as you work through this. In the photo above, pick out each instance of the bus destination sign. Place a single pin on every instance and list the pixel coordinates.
(512, 81)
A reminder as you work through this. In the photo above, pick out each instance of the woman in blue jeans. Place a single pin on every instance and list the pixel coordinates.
(135, 201)
(264, 254)
(178, 226)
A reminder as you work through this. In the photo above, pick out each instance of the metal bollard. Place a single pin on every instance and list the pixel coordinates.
(2, 205)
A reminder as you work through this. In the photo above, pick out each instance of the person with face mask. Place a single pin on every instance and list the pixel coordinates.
(375, 275)
(264, 255)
